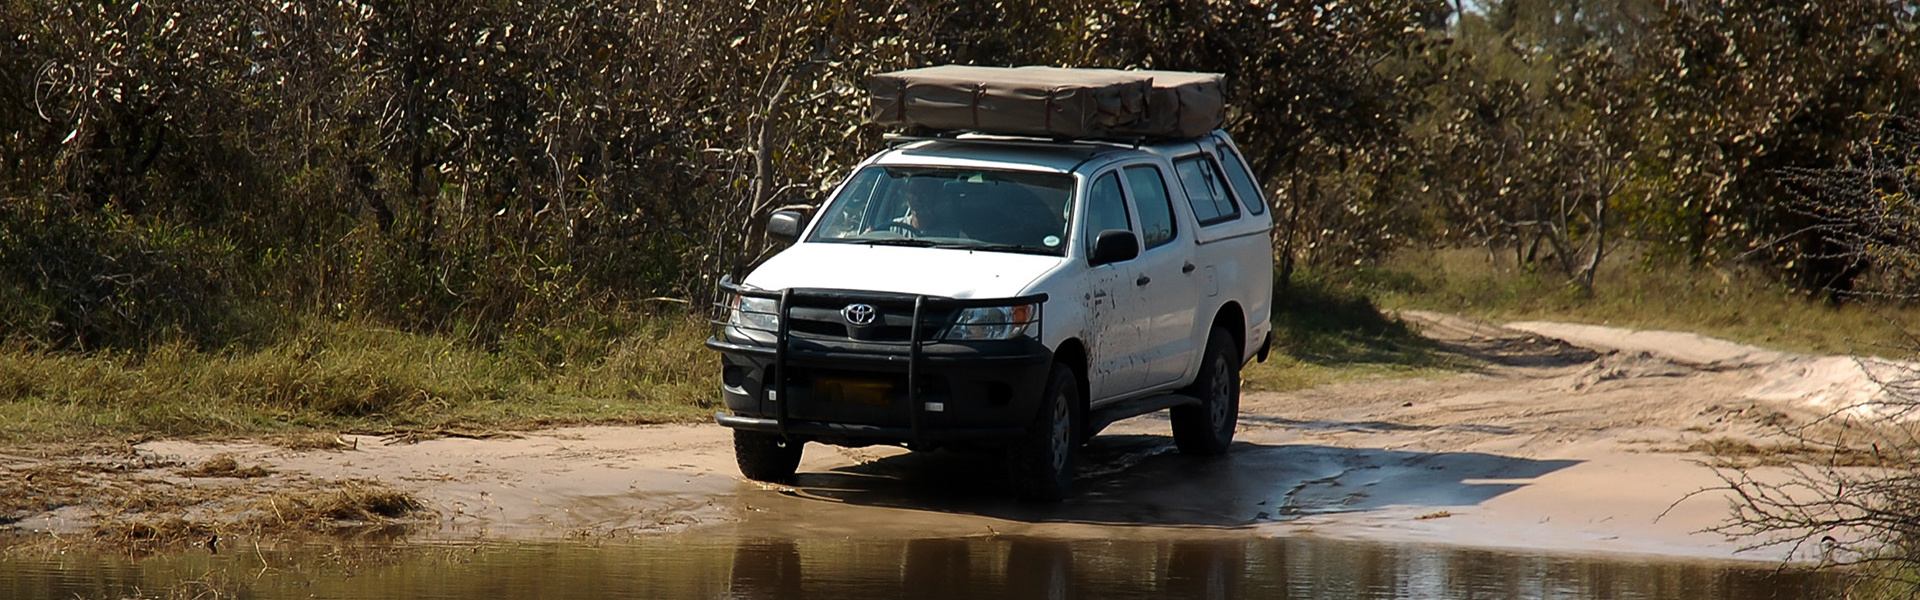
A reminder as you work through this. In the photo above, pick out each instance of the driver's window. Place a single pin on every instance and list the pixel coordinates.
(1106, 209)
(861, 207)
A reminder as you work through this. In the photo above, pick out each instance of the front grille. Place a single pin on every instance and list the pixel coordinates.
(817, 328)
(891, 324)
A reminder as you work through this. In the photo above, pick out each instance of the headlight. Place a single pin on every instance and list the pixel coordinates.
(992, 323)
(756, 319)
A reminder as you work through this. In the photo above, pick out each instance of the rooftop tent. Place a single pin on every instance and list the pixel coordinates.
(1049, 101)
(1182, 104)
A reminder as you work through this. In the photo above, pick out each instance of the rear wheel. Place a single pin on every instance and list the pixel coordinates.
(1206, 429)
(766, 457)
(1041, 465)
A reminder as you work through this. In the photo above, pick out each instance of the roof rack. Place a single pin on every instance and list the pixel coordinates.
(897, 139)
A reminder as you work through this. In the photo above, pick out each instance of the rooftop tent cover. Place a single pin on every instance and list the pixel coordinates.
(1049, 101)
(1182, 104)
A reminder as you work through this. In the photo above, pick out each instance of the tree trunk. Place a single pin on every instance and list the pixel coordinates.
(1592, 267)
(1283, 279)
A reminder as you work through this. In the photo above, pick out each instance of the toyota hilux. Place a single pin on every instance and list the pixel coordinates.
(1013, 294)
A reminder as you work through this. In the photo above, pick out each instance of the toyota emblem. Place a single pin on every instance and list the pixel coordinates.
(859, 314)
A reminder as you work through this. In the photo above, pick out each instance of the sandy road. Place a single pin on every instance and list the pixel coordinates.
(1571, 438)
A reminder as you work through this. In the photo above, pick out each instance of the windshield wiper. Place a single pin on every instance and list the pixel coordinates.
(953, 245)
(1017, 248)
(908, 242)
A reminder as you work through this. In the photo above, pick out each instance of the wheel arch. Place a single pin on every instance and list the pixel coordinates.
(1073, 354)
(1233, 318)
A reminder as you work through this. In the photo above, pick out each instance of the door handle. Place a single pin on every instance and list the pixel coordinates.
(1187, 268)
(1143, 280)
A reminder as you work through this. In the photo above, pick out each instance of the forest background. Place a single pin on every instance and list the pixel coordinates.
(242, 215)
(253, 217)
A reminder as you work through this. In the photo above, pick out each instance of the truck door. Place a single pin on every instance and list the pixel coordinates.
(1118, 335)
(1166, 279)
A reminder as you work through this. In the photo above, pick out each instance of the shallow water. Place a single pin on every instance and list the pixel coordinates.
(695, 566)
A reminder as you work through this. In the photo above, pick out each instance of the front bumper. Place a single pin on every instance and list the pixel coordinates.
(848, 393)
(858, 392)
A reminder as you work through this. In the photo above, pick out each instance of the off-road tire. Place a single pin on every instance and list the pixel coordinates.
(766, 457)
(1206, 429)
(1041, 465)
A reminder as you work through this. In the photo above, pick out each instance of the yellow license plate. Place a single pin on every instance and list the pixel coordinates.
(854, 391)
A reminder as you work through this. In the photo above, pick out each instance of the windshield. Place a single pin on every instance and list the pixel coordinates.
(1007, 211)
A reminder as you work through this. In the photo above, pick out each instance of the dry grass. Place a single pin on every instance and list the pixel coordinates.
(137, 505)
(225, 465)
(1737, 453)
(352, 503)
(142, 499)
(322, 377)
(47, 477)
(36, 490)
(312, 440)
(1641, 292)
(147, 535)
(146, 517)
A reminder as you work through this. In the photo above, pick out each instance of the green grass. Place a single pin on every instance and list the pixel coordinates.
(1640, 293)
(1895, 577)
(325, 375)
(1327, 332)
(320, 375)
(316, 374)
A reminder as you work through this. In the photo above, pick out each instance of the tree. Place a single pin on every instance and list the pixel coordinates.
(1524, 139)
(1745, 88)
(1861, 505)
(1308, 101)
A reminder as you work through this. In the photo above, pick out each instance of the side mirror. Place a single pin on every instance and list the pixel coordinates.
(1114, 245)
(785, 225)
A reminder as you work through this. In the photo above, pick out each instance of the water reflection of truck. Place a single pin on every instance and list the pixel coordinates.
(1010, 292)
(975, 567)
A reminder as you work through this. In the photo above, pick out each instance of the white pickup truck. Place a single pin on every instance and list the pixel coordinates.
(1004, 293)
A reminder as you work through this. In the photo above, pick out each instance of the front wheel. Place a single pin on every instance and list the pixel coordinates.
(1206, 429)
(765, 457)
(1041, 465)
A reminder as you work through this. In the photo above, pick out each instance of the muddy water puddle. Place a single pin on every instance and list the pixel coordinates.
(696, 566)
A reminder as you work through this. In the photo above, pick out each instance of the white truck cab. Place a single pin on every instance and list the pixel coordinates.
(982, 291)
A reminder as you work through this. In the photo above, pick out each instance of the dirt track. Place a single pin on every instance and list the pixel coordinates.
(1571, 438)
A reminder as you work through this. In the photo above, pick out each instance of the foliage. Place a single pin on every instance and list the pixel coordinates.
(1863, 211)
(1832, 508)
(445, 166)
(1569, 123)
(1525, 147)
(481, 167)
(1319, 121)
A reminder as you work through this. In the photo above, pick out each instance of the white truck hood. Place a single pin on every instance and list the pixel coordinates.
(929, 271)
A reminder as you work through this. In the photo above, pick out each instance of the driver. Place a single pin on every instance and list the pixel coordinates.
(928, 214)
